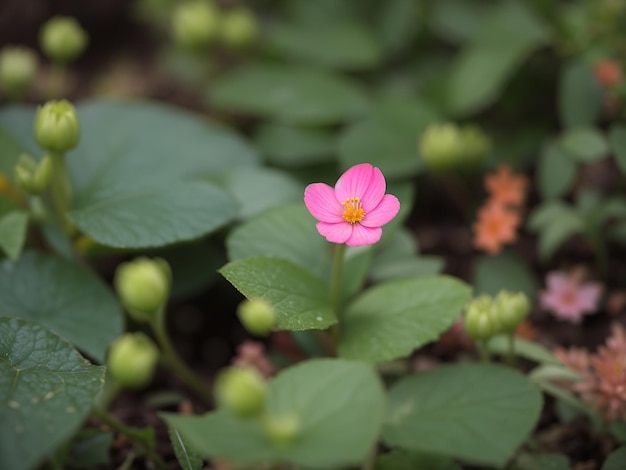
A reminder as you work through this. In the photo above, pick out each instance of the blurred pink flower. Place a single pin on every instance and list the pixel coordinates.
(569, 298)
(252, 354)
(354, 211)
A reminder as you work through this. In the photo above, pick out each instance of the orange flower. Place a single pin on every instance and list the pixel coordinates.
(496, 225)
(506, 187)
(608, 72)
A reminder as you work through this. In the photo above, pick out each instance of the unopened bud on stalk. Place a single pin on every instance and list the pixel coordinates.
(257, 315)
(195, 23)
(446, 147)
(480, 321)
(56, 126)
(132, 360)
(18, 67)
(143, 286)
(32, 176)
(511, 309)
(63, 39)
(238, 28)
(281, 430)
(242, 391)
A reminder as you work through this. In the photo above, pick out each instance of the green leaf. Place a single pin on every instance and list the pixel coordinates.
(388, 138)
(504, 271)
(400, 460)
(556, 172)
(340, 405)
(556, 223)
(47, 392)
(584, 144)
(294, 147)
(457, 20)
(258, 189)
(398, 24)
(616, 460)
(505, 38)
(66, 298)
(157, 216)
(480, 413)
(291, 94)
(544, 461)
(580, 96)
(390, 320)
(13, 227)
(333, 43)
(188, 459)
(527, 349)
(91, 450)
(128, 170)
(300, 299)
(617, 139)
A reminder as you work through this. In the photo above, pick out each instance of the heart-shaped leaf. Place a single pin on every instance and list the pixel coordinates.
(47, 391)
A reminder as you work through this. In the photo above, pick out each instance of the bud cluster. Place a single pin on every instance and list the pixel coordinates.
(446, 147)
(486, 316)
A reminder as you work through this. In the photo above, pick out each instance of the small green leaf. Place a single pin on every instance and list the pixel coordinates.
(580, 96)
(13, 227)
(47, 392)
(457, 20)
(390, 320)
(480, 413)
(91, 450)
(506, 36)
(300, 298)
(617, 139)
(527, 349)
(155, 217)
(504, 271)
(388, 138)
(544, 461)
(294, 147)
(398, 24)
(333, 43)
(584, 144)
(188, 459)
(340, 405)
(292, 94)
(556, 172)
(556, 223)
(66, 298)
(616, 460)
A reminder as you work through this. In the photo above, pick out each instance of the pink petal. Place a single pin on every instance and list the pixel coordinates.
(362, 181)
(588, 296)
(364, 235)
(558, 281)
(336, 233)
(321, 202)
(382, 213)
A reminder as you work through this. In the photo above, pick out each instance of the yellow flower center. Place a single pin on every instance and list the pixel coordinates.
(352, 210)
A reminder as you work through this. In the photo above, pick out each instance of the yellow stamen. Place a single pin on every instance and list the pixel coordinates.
(353, 212)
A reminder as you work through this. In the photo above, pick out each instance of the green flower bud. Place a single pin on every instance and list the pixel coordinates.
(257, 316)
(238, 28)
(195, 23)
(242, 391)
(480, 321)
(63, 39)
(511, 309)
(132, 360)
(475, 145)
(33, 176)
(143, 286)
(439, 146)
(18, 67)
(281, 430)
(56, 126)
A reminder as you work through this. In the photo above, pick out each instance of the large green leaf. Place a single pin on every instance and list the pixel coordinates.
(188, 458)
(293, 94)
(480, 413)
(580, 96)
(388, 139)
(13, 227)
(292, 146)
(391, 320)
(400, 460)
(300, 299)
(66, 298)
(507, 35)
(340, 405)
(335, 44)
(128, 170)
(46, 389)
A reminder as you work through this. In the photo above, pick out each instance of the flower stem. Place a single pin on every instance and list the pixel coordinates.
(483, 350)
(134, 434)
(511, 358)
(172, 360)
(335, 283)
(61, 191)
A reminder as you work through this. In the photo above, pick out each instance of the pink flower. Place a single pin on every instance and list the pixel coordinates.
(354, 211)
(568, 297)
